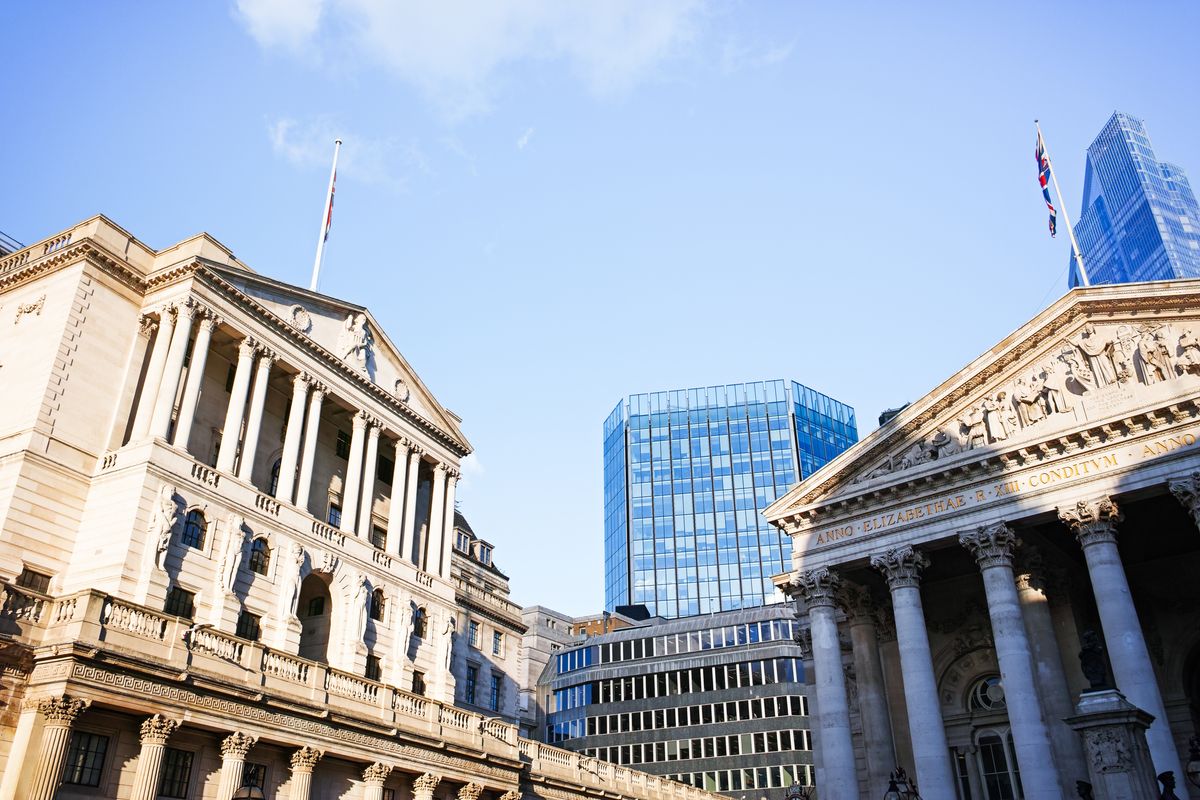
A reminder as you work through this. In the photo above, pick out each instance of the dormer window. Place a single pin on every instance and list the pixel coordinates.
(485, 554)
(462, 542)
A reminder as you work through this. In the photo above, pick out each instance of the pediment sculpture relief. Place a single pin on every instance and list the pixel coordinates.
(1098, 361)
(355, 342)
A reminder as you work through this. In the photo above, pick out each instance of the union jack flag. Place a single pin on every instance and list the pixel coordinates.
(1043, 162)
(333, 188)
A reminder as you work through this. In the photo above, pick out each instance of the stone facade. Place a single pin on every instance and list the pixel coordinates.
(226, 544)
(1042, 498)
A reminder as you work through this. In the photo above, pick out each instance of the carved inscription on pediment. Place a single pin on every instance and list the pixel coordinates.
(1092, 374)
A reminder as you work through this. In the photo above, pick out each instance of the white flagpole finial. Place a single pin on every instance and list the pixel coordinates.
(325, 218)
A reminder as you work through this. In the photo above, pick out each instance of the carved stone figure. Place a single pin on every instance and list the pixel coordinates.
(944, 444)
(231, 554)
(1167, 779)
(362, 594)
(1097, 352)
(448, 639)
(995, 417)
(1054, 388)
(1122, 353)
(1156, 361)
(1092, 662)
(974, 430)
(1079, 373)
(295, 565)
(1028, 397)
(1189, 354)
(354, 343)
(166, 517)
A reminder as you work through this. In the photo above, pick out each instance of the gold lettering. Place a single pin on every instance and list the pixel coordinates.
(979, 496)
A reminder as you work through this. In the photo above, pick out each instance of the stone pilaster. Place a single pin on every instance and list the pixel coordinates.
(59, 714)
(304, 761)
(902, 567)
(234, 748)
(155, 732)
(1094, 524)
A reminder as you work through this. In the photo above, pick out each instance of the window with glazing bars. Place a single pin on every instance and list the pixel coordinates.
(85, 759)
(176, 773)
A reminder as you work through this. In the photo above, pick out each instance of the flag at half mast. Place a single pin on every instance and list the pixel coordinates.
(329, 214)
(1043, 162)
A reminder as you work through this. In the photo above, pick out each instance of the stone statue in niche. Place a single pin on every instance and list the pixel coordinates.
(354, 343)
(166, 517)
(362, 594)
(1188, 361)
(1097, 353)
(294, 568)
(448, 639)
(231, 553)
(1156, 360)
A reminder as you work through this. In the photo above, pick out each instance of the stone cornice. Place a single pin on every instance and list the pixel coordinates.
(22, 267)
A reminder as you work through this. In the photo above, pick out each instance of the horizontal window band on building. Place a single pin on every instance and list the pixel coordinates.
(738, 744)
(757, 672)
(757, 778)
(755, 708)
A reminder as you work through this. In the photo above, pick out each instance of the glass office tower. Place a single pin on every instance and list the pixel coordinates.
(686, 475)
(1140, 220)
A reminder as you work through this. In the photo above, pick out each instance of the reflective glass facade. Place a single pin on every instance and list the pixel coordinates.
(686, 475)
(1140, 220)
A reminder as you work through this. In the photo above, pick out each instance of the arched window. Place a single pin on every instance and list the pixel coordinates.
(195, 526)
(377, 602)
(275, 477)
(260, 556)
(986, 694)
(419, 623)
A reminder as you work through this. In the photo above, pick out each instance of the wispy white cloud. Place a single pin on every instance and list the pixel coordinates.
(736, 56)
(453, 50)
(386, 162)
(525, 137)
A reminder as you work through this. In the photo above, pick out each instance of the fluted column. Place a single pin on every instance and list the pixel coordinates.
(304, 761)
(992, 546)
(232, 432)
(154, 735)
(233, 762)
(60, 714)
(1095, 527)
(395, 522)
(374, 777)
(437, 508)
(191, 390)
(872, 696)
(311, 428)
(291, 439)
(172, 369)
(448, 523)
(410, 506)
(353, 473)
(154, 374)
(367, 503)
(1051, 679)
(819, 588)
(902, 567)
(423, 786)
(258, 399)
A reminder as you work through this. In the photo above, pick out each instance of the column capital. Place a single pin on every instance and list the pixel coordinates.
(1187, 491)
(318, 389)
(452, 474)
(361, 420)
(803, 639)
(440, 467)
(246, 347)
(62, 710)
(1031, 571)
(301, 381)
(1093, 521)
(511, 794)
(415, 449)
(470, 792)
(427, 782)
(147, 324)
(209, 321)
(901, 566)
(403, 442)
(992, 545)
(377, 773)
(237, 744)
(186, 308)
(305, 759)
(375, 429)
(157, 729)
(859, 605)
(819, 587)
(266, 356)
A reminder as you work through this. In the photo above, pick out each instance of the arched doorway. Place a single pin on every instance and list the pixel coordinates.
(315, 610)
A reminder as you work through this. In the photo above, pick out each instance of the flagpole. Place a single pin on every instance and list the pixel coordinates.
(316, 274)
(1062, 205)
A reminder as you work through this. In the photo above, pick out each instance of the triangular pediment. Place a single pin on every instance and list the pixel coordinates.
(351, 334)
(1096, 356)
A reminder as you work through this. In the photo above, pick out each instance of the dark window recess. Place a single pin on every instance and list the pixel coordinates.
(472, 681)
(254, 775)
(335, 515)
(342, 449)
(378, 537)
(85, 759)
(377, 603)
(187, 354)
(275, 477)
(176, 773)
(389, 794)
(384, 469)
(249, 626)
(229, 379)
(494, 698)
(418, 682)
(35, 581)
(194, 527)
(374, 669)
(260, 556)
(181, 603)
(419, 623)
(316, 606)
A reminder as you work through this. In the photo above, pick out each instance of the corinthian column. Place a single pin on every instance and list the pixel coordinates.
(154, 374)
(395, 521)
(470, 791)
(368, 481)
(303, 762)
(60, 713)
(172, 368)
(410, 507)
(1095, 527)
(819, 589)
(437, 508)
(448, 523)
(373, 779)
(872, 697)
(236, 409)
(902, 567)
(155, 732)
(309, 454)
(353, 474)
(254, 421)
(1187, 491)
(992, 547)
(423, 786)
(191, 390)
(233, 762)
(291, 440)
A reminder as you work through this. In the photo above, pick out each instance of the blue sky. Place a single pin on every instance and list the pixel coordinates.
(553, 205)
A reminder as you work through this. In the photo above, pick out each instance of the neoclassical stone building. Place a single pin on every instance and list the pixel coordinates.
(1045, 496)
(226, 545)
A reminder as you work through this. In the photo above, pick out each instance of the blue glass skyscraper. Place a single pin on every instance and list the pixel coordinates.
(686, 475)
(1140, 220)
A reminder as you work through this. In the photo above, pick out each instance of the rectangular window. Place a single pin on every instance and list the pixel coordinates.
(374, 668)
(379, 537)
(472, 681)
(85, 759)
(249, 625)
(181, 603)
(36, 581)
(384, 469)
(485, 554)
(342, 449)
(497, 643)
(494, 698)
(316, 606)
(335, 515)
(176, 773)
(254, 775)
(462, 542)
(473, 633)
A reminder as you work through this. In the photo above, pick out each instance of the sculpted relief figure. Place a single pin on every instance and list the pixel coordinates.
(1188, 362)
(293, 574)
(1097, 353)
(974, 430)
(362, 595)
(995, 417)
(354, 343)
(1028, 397)
(1054, 387)
(231, 553)
(162, 525)
(1155, 357)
